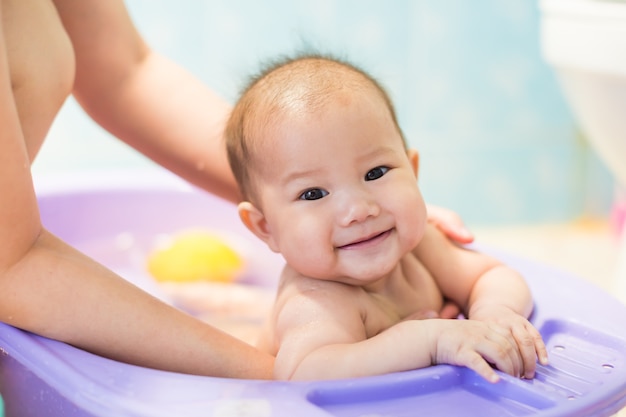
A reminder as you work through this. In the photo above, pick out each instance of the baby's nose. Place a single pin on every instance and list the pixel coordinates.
(357, 206)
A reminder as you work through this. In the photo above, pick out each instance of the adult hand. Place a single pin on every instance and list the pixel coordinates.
(450, 223)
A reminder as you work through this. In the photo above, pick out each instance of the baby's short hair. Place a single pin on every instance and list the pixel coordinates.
(304, 81)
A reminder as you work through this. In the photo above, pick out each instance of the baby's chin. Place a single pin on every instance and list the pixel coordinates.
(368, 276)
(348, 267)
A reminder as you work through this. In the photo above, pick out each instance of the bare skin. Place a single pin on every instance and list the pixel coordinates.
(90, 48)
(47, 51)
(340, 202)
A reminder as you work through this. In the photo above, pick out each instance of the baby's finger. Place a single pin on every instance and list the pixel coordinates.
(532, 347)
(507, 357)
(473, 360)
(540, 347)
(450, 310)
(526, 344)
(497, 350)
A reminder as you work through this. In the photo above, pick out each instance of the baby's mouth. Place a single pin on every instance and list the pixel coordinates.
(370, 240)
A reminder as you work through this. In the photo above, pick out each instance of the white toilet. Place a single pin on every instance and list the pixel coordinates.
(585, 42)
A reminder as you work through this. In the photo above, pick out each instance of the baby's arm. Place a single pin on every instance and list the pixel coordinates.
(498, 297)
(487, 291)
(322, 336)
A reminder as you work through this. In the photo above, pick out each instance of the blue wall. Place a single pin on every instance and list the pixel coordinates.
(497, 141)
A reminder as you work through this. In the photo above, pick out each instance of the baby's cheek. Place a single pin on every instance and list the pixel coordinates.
(416, 219)
(307, 256)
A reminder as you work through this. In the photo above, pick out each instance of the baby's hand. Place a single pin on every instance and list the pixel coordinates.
(528, 340)
(477, 344)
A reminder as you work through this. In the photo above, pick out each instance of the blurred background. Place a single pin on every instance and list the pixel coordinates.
(497, 140)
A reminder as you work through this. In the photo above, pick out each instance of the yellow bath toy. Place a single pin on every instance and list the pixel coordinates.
(195, 256)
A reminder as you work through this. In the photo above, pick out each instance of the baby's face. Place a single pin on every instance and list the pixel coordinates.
(339, 192)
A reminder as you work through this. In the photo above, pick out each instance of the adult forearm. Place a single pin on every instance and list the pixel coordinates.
(167, 114)
(57, 292)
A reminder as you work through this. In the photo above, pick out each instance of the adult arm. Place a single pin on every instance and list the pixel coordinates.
(144, 99)
(49, 288)
(450, 223)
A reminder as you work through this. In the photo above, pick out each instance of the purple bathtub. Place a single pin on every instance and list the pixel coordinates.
(585, 330)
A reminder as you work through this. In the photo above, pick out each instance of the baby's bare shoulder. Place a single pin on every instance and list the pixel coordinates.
(319, 290)
(308, 296)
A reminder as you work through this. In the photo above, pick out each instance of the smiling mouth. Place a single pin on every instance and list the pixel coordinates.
(372, 240)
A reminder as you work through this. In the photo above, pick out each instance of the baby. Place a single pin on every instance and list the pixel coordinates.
(329, 183)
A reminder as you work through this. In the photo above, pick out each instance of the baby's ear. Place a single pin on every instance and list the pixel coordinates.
(255, 221)
(414, 158)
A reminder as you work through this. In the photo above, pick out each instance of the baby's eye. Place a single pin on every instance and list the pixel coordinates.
(313, 194)
(376, 173)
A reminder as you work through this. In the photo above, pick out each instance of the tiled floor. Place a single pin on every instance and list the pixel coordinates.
(588, 249)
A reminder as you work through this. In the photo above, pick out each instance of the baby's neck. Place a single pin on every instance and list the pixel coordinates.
(389, 284)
